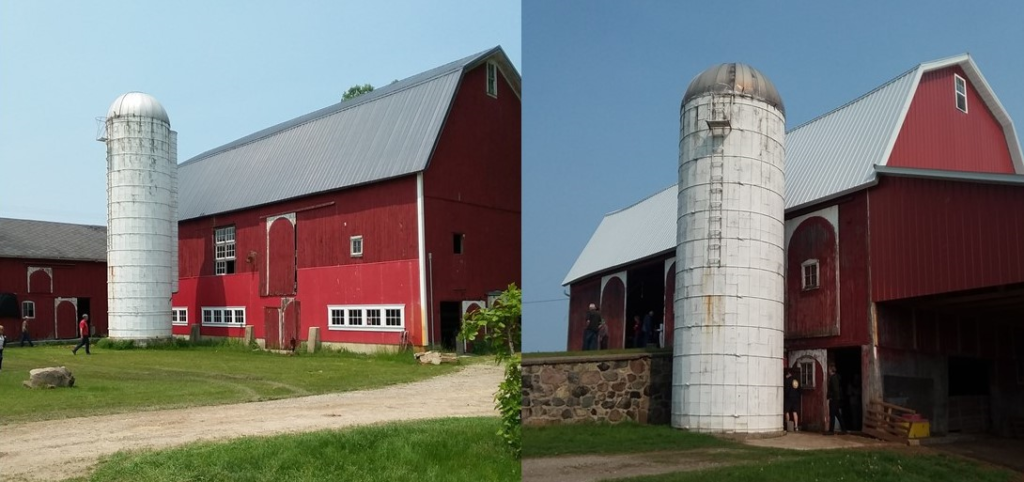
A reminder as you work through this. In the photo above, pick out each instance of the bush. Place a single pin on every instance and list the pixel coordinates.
(509, 403)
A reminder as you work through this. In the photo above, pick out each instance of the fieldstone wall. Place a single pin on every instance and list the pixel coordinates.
(603, 388)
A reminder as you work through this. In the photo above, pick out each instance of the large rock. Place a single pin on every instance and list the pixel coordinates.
(50, 377)
(435, 358)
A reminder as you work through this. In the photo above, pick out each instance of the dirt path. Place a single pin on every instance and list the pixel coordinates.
(59, 449)
(590, 468)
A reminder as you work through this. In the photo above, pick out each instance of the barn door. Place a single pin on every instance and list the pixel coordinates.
(469, 306)
(65, 318)
(290, 328)
(280, 259)
(272, 328)
(809, 365)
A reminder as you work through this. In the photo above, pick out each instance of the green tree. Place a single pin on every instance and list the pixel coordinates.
(501, 325)
(356, 91)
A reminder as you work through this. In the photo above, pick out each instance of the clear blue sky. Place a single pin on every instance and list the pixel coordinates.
(601, 110)
(222, 70)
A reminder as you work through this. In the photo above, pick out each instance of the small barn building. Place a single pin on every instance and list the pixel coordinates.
(379, 220)
(52, 273)
(904, 241)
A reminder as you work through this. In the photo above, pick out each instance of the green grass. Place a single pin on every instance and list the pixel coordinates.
(749, 463)
(175, 376)
(453, 450)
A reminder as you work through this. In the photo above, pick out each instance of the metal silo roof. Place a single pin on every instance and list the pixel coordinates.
(736, 79)
(382, 134)
(137, 104)
(22, 238)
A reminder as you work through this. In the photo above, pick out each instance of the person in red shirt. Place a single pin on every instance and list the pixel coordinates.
(83, 331)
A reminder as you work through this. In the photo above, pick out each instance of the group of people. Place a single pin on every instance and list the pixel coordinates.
(833, 393)
(595, 333)
(83, 332)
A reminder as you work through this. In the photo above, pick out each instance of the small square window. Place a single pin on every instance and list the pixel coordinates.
(457, 242)
(179, 316)
(960, 86)
(809, 278)
(356, 246)
(28, 309)
(355, 317)
(492, 79)
(806, 368)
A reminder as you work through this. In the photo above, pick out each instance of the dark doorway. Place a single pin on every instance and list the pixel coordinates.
(451, 321)
(847, 361)
(646, 292)
(969, 392)
(85, 309)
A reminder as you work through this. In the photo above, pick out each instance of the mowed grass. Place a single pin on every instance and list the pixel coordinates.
(749, 463)
(116, 381)
(464, 449)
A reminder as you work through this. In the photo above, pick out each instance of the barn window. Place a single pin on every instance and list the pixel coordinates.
(806, 367)
(28, 309)
(223, 316)
(179, 316)
(960, 85)
(492, 79)
(356, 246)
(809, 280)
(457, 242)
(366, 317)
(224, 250)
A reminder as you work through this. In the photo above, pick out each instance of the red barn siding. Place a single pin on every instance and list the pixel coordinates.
(813, 312)
(40, 282)
(613, 307)
(974, 230)
(281, 258)
(937, 135)
(71, 279)
(581, 295)
(472, 187)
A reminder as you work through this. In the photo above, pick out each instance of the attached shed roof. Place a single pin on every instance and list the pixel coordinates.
(832, 155)
(21, 238)
(386, 133)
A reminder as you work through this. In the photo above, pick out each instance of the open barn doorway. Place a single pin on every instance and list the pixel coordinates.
(847, 362)
(645, 294)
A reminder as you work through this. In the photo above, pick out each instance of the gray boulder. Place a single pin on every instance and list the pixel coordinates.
(50, 377)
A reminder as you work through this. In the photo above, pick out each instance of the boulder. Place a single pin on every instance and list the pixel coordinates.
(436, 358)
(50, 377)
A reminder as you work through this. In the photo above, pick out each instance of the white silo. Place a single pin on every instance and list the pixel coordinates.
(141, 219)
(728, 340)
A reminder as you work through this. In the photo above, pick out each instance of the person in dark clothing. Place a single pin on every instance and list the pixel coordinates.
(645, 328)
(835, 400)
(83, 331)
(594, 323)
(791, 400)
(638, 333)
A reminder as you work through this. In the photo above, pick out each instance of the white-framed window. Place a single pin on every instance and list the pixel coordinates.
(355, 244)
(366, 317)
(28, 309)
(806, 368)
(179, 316)
(223, 316)
(960, 86)
(809, 274)
(224, 250)
(492, 79)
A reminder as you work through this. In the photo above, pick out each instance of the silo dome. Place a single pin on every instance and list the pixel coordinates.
(739, 79)
(137, 104)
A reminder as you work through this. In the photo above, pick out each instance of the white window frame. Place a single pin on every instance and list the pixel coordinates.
(27, 306)
(216, 316)
(804, 284)
(958, 83)
(355, 244)
(224, 237)
(344, 317)
(806, 368)
(492, 79)
(179, 316)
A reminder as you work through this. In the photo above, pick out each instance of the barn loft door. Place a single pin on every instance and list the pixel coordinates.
(280, 259)
(65, 318)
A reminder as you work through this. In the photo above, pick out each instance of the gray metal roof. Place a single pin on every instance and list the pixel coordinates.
(21, 238)
(739, 79)
(837, 153)
(386, 133)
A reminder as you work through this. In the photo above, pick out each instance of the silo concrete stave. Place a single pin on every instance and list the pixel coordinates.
(728, 338)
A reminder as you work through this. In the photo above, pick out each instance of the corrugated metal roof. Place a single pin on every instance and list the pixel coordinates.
(21, 238)
(834, 154)
(629, 235)
(385, 133)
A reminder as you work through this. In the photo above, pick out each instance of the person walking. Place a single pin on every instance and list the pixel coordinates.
(835, 400)
(24, 333)
(3, 341)
(83, 331)
(791, 400)
(594, 323)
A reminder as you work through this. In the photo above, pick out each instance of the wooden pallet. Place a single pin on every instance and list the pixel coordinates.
(888, 422)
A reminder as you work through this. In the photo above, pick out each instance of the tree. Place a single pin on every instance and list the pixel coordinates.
(356, 91)
(502, 330)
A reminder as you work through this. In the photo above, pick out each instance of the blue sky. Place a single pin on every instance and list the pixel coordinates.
(601, 103)
(222, 70)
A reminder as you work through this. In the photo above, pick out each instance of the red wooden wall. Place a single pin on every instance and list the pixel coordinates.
(812, 312)
(613, 307)
(581, 295)
(930, 236)
(71, 279)
(937, 135)
(472, 187)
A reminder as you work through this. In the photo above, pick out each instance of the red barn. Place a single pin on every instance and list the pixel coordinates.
(378, 220)
(52, 273)
(904, 253)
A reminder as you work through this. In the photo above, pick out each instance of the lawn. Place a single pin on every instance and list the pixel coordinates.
(464, 449)
(748, 463)
(117, 381)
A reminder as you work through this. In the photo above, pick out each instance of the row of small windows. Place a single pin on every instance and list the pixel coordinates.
(224, 248)
(366, 317)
